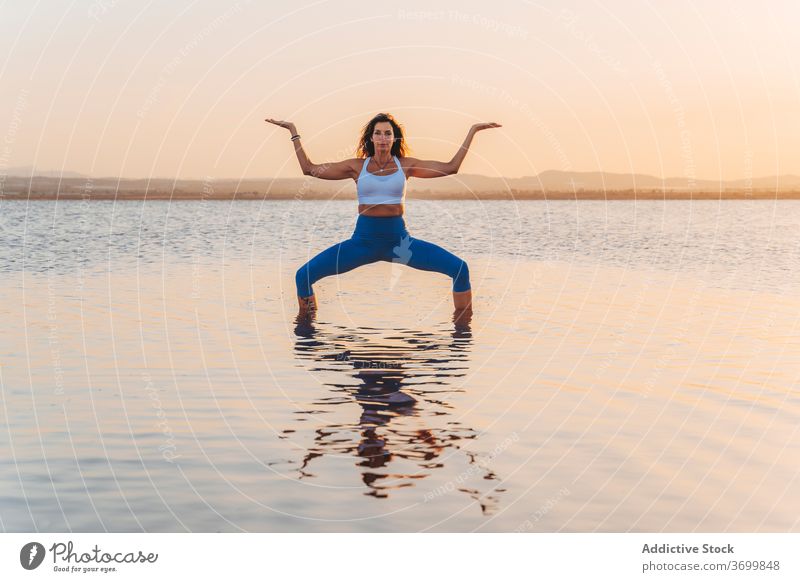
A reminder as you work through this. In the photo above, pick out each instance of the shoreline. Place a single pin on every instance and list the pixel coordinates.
(425, 195)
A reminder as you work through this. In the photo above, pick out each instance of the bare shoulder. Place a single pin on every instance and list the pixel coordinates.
(407, 163)
(356, 164)
(353, 165)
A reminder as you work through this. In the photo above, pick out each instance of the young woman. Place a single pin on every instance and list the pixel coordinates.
(380, 172)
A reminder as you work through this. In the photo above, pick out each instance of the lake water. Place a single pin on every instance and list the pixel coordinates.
(628, 367)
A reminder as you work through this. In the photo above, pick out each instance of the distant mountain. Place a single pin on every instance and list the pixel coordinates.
(555, 181)
(599, 181)
(549, 180)
(552, 181)
(29, 171)
(551, 184)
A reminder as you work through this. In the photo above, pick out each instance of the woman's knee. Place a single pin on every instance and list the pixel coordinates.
(301, 274)
(302, 279)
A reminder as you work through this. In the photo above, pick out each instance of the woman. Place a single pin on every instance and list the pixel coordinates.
(380, 233)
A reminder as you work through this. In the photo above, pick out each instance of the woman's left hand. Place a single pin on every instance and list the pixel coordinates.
(480, 126)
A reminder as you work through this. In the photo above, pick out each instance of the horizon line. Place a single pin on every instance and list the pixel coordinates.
(302, 177)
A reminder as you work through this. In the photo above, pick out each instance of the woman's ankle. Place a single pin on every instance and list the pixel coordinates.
(462, 299)
(307, 303)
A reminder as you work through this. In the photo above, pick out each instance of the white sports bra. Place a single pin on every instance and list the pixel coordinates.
(389, 189)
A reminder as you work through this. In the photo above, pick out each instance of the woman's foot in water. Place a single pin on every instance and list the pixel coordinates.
(308, 305)
(462, 318)
(462, 315)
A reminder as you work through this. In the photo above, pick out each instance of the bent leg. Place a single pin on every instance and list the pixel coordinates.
(336, 259)
(427, 256)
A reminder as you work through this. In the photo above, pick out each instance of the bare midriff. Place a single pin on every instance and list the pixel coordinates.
(380, 209)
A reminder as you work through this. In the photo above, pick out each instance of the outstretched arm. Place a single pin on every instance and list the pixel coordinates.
(326, 171)
(434, 169)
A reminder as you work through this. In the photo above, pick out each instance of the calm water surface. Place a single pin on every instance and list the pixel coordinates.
(629, 367)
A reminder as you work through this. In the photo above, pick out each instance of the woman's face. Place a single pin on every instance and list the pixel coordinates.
(383, 136)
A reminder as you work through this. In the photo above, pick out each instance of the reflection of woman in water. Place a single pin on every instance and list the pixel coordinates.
(391, 382)
(380, 233)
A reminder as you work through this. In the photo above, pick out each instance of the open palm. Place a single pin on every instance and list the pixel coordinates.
(285, 124)
(481, 126)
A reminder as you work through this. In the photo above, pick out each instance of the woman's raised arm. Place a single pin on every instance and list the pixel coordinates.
(326, 171)
(434, 169)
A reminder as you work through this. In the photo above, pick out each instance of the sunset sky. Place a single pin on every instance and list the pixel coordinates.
(706, 89)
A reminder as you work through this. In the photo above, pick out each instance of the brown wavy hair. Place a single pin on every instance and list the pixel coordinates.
(367, 148)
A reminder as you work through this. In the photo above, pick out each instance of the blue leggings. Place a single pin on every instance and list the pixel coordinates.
(383, 238)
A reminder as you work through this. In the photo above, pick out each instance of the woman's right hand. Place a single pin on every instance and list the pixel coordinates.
(287, 124)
